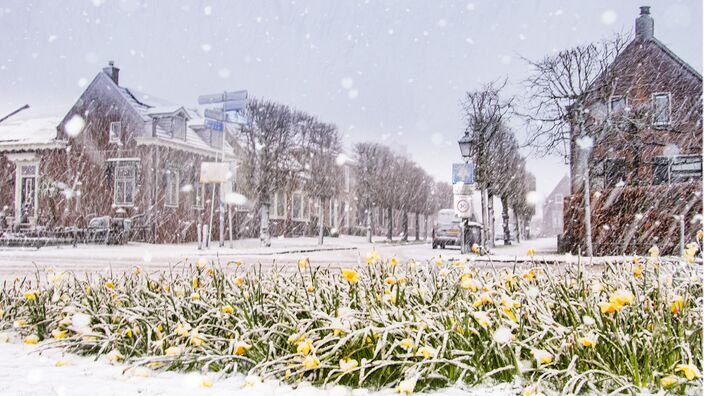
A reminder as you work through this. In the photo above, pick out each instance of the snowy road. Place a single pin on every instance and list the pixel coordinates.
(343, 251)
(25, 372)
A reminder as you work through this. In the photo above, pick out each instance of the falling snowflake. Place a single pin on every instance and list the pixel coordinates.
(609, 17)
(75, 126)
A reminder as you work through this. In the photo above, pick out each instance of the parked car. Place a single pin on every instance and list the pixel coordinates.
(447, 230)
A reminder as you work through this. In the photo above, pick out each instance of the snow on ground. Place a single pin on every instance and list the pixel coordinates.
(342, 251)
(24, 371)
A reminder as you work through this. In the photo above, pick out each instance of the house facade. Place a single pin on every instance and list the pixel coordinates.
(639, 140)
(118, 153)
(553, 206)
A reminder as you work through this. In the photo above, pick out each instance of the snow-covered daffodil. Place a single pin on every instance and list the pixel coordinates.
(690, 371)
(350, 275)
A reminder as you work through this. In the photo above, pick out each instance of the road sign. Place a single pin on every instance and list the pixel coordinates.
(214, 114)
(462, 205)
(214, 172)
(214, 125)
(235, 105)
(463, 173)
(223, 97)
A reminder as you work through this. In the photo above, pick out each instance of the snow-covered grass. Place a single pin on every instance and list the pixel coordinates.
(408, 325)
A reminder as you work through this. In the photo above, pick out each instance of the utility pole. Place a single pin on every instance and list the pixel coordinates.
(587, 193)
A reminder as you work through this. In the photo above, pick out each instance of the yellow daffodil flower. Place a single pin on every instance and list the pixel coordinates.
(638, 271)
(373, 257)
(228, 309)
(482, 318)
(241, 348)
(239, 281)
(305, 346)
(58, 334)
(654, 251)
(588, 341)
(114, 356)
(393, 262)
(303, 263)
(173, 351)
(469, 283)
(350, 275)
(109, 285)
(426, 352)
(31, 339)
(531, 252)
(406, 344)
(390, 280)
(31, 295)
(669, 381)
(475, 249)
(676, 304)
(311, 362)
(689, 370)
(348, 364)
(542, 356)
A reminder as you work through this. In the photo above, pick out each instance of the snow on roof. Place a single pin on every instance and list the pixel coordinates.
(28, 131)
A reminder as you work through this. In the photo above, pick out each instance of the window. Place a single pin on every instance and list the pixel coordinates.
(617, 103)
(297, 205)
(661, 109)
(558, 199)
(172, 187)
(28, 190)
(614, 172)
(125, 181)
(278, 205)
(679, 169)
(347, 179)
(115, 132)
(197, 195)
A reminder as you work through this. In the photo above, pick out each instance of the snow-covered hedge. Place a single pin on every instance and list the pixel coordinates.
(407, 325)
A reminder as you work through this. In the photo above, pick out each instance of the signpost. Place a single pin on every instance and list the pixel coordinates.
(462, 189)
(232, 105)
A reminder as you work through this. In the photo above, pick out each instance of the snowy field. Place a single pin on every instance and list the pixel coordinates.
(26, 370)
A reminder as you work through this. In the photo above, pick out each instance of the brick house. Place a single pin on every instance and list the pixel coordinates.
(116, 152)
(641, 144)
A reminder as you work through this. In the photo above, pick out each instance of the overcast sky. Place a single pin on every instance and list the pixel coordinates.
(386, 71)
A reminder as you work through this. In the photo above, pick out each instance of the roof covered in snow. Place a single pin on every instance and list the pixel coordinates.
(28, 132)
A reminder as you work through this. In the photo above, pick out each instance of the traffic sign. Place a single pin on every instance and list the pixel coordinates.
(223, 97)
(463, 173)
(462, 189)
(214, 114)
(234, 105)
(214, 125)
(462, 205)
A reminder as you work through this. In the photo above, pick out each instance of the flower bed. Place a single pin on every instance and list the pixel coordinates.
(412, 326)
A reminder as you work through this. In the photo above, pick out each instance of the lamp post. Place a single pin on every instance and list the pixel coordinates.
(465, 144)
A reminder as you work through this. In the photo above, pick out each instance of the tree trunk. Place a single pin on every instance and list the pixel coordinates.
(321, 222)
(485, 217)
(405, 226)
(390, 233)
(425, 229)
(504, 215)
(518, 225)
(369, 225)
(492, 225)
(417, 227)
(264, 235)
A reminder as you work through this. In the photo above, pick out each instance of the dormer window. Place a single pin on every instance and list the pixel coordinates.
(617, 103)
(661, 109)
(115, 132)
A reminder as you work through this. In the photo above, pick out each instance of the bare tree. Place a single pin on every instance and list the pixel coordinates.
(484, 112)
(266, 145)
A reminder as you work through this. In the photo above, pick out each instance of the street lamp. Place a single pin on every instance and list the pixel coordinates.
(465, 144)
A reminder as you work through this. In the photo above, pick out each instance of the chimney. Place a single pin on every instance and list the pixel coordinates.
(644, 24)
(112, 72)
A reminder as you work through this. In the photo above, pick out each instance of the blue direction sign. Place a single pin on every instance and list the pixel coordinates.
(234, 105)
(214, 125)
(215, 114)
(463, 173)
(223, 97)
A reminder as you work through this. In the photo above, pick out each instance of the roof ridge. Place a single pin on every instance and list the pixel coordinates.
(675, 57)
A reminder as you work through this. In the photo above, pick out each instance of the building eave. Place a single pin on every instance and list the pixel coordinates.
(17, 147)
(177, 145)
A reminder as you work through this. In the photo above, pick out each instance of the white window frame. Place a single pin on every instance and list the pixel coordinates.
(117, 179)
(274, 208)
(297, 216)
(198, 192)
(558, 198)
(172, 187)
(115, 139)
(19, 181)
(347, 179)
(616, 99)
(653, 97)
